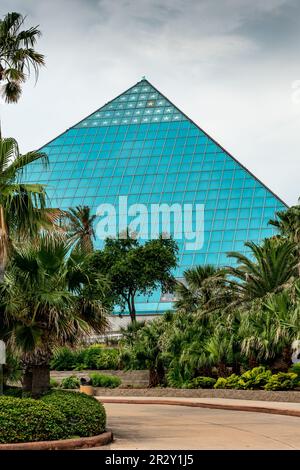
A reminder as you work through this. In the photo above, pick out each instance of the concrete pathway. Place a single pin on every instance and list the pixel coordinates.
(154, 426)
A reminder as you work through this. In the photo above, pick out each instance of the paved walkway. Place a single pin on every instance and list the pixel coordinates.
(154, 426)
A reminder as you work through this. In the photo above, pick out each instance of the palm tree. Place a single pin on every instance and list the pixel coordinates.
(17, 55)
(48, 299)
(288, 224)
(268, 329)
(22, 206)
(203, 287)
(80, 227)
(269, 268)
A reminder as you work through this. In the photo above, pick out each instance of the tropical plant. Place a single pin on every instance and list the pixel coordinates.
(269, 268)
(203, 287)
(17, 55)
(70, 383)
(49, 299)
(22, 206)
(80, 227)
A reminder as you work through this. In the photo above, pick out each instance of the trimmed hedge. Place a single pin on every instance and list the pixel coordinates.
(85, 415)
(27, 420)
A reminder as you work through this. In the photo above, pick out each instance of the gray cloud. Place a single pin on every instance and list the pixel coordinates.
(229, 64)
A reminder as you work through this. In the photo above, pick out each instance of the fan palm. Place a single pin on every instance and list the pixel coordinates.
(269, 268)
(80, 227)
(47, 300)
(202, 287)
(288, 224)
(17, 55)
(22, 206)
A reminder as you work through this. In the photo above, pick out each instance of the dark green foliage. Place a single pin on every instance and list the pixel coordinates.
(201, 382)
(54, 383)
(25, 420)
(84, 414)
(282, 381)
(71, 382)
(296, 369)
(92, 357)
(133, 268)
(66, 359)
(101, 380)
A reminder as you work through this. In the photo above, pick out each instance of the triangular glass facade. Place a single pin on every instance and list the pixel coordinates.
(141, 146)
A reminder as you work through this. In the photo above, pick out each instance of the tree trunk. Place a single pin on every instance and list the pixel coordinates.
(131, 308)
(27, 380)
(3, 243)
(40, 380)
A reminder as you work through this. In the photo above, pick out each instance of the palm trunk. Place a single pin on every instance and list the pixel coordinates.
(3, 243)
(153, 378)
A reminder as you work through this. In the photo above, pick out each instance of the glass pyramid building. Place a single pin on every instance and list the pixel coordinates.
(140, 145)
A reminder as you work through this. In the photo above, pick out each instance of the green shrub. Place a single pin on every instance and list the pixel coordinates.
(296, 369)
(255, 378)
(202, 382)
(101, 380)
(71, 382)
(92, 355)
(13, 392)
(54, 383)
(282, 381)
(66, 359)
(108, 359)
(84, 414)
(221, 383)
(25, 419)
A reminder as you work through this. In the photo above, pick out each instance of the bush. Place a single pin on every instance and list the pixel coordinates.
(282, 381)
(101, 380)
(54, 383)
(296, 369)
(25, 420)
(13, 392)
(71, 382)
(84, 414)
(108, 359)
(202, 382)
(93, 357)
(231, 382)
(255, 378)
(220, 383)
(66, 359)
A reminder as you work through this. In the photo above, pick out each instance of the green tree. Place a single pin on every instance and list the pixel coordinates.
(48, 299)
(18, 56)
(133, 268)
(80, 227)
(22, 206)
(269, 268)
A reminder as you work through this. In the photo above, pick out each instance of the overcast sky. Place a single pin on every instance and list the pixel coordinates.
(232, 65)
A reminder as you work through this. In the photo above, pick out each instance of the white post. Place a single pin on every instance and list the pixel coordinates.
(2, 361)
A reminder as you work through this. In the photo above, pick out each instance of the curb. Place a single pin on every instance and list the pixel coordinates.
(215, 406)
(66, 444)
